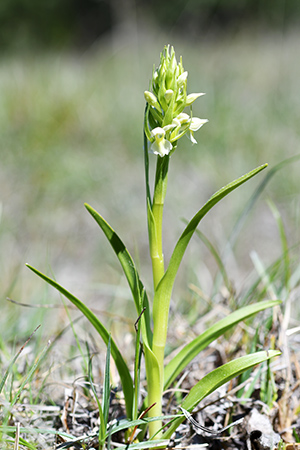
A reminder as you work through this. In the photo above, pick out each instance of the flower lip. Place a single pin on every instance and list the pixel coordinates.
(160, 146)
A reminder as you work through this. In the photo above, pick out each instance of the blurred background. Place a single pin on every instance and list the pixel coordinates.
(72, 77)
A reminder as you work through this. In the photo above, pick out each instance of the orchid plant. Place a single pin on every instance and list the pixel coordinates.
(168, 117)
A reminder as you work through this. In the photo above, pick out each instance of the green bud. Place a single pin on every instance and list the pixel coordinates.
(168, 95)
(151, 99)
(181, 80)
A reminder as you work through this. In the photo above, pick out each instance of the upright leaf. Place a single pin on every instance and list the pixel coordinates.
(164, 289)
(185, 237)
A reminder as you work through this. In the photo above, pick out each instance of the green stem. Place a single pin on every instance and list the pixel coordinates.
(154, 359)
(155, 234)
(155, 218)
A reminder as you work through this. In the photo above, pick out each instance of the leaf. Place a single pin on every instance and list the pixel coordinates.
(138, 293)
(129, 268)
(217, 378)
(164, 289)
(125, 377)
(139, 296)
(167, 282)
(185, 356)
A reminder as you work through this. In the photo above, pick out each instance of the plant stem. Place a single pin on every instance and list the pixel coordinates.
(155, 235)
(155, 217)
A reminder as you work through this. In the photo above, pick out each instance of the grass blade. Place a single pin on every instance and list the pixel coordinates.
(4, 378)
(217, 378)
(123, 370)
(106, 384)
(29, 375)
(182, 359)
(102, 428)
(249, 205)
(217, 258)
(20, 441)
(126, 424)
(284, 245)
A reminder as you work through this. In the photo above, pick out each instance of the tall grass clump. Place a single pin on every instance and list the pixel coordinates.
(168, 117)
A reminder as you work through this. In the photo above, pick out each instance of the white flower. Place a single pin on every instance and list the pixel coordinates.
(195, 124)
(192, 97)
(160, 146)
(182, 118)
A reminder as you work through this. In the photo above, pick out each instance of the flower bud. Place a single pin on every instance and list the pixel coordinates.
(151, 99)
(168, 95)
(182, 79)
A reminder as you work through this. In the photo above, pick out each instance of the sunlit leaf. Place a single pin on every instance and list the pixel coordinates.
(185, 356)
(129, 268)
(217, 378)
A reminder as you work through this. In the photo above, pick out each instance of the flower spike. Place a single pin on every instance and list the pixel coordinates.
(165, 120)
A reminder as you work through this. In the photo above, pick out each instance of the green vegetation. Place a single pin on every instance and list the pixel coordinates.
(71, 127)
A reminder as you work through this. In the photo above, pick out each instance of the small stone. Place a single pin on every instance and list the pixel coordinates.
(261, 434)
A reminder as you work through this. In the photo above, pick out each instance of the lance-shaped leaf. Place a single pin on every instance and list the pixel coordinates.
(129, 268)
(192, 225)
(164, 289)
(138, 293)
(185, 356)
(217, 378)
(122, 368)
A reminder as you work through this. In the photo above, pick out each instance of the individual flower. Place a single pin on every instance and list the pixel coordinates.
(195, 124)
(160, 146)
(182, 119)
